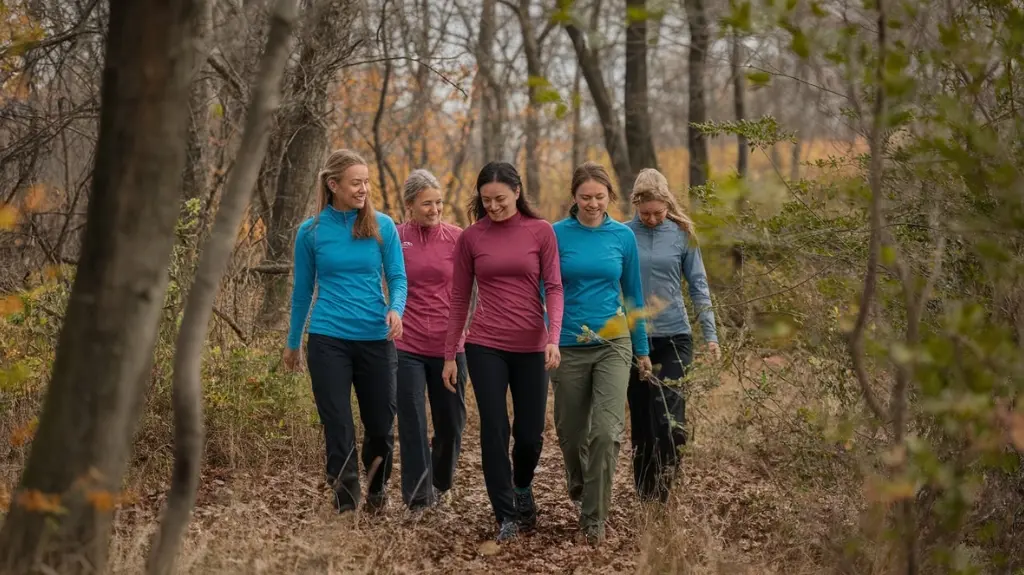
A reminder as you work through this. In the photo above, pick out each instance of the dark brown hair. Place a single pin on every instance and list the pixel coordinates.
(590, 171)
(507, 174)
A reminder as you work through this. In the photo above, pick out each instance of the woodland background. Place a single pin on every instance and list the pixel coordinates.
(854, 169)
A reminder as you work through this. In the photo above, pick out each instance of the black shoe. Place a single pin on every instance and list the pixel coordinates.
(509, 530)
(375, 503)
(344, 498)
(526, 508)
(594, 534)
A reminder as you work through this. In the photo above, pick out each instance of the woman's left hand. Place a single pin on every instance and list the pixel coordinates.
(552, 357)
(715, 350)
(394, 322)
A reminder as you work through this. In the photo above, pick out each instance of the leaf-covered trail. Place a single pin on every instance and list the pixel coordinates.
(283, 522)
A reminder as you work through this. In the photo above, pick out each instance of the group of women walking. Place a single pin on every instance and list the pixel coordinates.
(405, 314)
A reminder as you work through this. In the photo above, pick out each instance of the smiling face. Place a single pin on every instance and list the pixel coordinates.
(592, 200)
(499, 200)
(427, 207)
(351, 188)
(652, 212)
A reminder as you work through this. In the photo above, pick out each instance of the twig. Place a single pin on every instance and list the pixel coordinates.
(232, 324)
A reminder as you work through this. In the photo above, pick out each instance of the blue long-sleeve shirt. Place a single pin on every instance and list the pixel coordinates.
(600, 278)
(347, 272)
(667, 256)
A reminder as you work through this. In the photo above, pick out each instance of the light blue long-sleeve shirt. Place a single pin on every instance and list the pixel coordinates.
(600, 278)
(667, 256)
(348, 273)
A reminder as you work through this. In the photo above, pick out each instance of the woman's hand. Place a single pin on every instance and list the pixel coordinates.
(552, 357)
(290, 357)
(449, 375)
(714, 350)
(394, 322)
(643, 365)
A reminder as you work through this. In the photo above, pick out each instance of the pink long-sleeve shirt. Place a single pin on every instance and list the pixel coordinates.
(508, 260)
(429, 262)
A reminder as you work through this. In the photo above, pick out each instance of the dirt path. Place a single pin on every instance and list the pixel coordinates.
(284, 523)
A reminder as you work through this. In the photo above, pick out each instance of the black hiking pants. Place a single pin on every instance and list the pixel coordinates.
(494, 372)
(658, 416)
(426, 467)
(335, 367)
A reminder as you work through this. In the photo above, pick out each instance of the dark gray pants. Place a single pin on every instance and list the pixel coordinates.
(335, 367)
(424, 466)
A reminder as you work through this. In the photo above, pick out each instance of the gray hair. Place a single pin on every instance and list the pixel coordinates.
(418, 181)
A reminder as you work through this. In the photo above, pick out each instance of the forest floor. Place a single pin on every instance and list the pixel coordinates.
(730, 514)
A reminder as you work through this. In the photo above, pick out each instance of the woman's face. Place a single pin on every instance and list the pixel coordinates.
(499, 200)
(652, 212)
(592, 199)
(351, 188)
(427, 207)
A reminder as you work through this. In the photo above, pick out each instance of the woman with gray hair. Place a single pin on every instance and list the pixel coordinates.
(428, 246)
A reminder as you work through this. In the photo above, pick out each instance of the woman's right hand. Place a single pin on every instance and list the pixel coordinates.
(291, 359)
(449, 375)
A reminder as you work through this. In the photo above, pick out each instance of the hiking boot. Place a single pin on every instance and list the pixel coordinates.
(526, 508)
(594, 534)
(509, 530)
(343, 498)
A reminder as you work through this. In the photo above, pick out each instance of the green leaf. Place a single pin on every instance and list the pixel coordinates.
(759, 78)
(888, 255)
(801, 45)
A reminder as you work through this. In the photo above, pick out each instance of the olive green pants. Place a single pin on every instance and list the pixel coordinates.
(590, 412)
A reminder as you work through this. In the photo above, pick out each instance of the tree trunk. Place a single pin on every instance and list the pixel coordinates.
(491, 137)
(614, 140)
(696, 142)
(187, 387)
(105, 352)
(739, 104)
(535, 80)
(305, 134)
(578, 149)
(638, 120)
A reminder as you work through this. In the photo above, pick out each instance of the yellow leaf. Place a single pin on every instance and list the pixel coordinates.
(8, 217)
(617, 326)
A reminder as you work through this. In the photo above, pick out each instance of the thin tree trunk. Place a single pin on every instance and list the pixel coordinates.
(578, 151)
(614, 140)
(105, 351)
(535, 81)
(491, 138)
(187, 385)
(378, 147)
(638, 120)
(696, 142)
(739, 104)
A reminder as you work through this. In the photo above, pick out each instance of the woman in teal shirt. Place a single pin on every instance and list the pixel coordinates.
(598, 258)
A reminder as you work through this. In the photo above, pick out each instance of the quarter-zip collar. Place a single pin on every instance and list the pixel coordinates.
(346, 217)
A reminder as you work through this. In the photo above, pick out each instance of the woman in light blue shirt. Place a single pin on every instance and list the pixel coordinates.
(668, 254)
(600, 268)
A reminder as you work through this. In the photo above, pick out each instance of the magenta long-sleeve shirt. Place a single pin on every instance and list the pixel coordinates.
(429, 263)
(508, 260)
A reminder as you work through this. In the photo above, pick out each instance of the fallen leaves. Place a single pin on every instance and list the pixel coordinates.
(8, 217)
(10, 305)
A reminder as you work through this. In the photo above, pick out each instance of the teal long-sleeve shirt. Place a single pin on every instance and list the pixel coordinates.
(347, 273)
(600, 278)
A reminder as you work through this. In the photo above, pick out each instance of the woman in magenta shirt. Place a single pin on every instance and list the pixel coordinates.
(512, 255)
(428, 245)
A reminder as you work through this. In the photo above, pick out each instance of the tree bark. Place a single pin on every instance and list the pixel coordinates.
(739, 103)
(614, 140)
(638, 120)
(578, 149)
(187, 394)
(535, 80)
(105, 351)
(696, 142)
(491, 136)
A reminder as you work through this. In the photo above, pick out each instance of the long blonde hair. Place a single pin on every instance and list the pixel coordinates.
(334, 168)
(651, 185)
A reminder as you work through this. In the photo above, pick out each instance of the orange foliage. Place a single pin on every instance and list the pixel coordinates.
(437, 134)
(10, 305)
(35, 500)
(23, 435)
